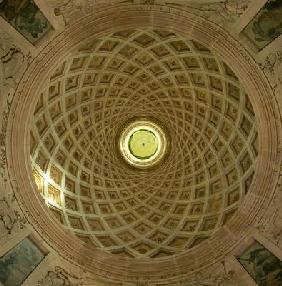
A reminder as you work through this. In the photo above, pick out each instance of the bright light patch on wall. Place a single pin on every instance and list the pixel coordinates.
(47, 178)
(51, 201)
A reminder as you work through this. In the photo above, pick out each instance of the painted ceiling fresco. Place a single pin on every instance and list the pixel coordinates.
(18, 263)
(26, 18)
(263, 266)
(266, 25)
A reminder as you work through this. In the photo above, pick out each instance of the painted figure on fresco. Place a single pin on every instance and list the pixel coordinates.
(25, 16)
(262, 265)
(60, 277)
(12, 63)
(18, 263)
(266, 25)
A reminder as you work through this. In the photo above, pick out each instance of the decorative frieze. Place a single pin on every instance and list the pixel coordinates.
(62, 8)
(13, 62)
(11, 219)
(222, 277)
(273, 228)
(277, 224)
(216, 11)
(12, 65)
(272, 66)
(60, 277)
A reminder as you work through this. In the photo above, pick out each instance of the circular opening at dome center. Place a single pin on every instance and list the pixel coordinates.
(142, 143)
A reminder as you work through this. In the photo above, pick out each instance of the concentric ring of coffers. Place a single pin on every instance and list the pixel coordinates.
(152, 74)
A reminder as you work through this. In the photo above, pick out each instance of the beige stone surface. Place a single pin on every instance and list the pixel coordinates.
(63, 103)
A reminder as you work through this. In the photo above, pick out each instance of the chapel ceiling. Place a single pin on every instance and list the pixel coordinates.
(172, 81)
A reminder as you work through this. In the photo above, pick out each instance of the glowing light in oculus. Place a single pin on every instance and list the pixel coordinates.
(143, 144)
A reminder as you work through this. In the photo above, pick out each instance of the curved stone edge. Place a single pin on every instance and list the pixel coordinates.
(159, 17)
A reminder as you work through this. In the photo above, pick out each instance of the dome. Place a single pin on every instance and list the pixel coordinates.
(152, 86)
(140, 142)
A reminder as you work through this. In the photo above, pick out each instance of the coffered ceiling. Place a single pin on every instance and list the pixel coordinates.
(170, 80)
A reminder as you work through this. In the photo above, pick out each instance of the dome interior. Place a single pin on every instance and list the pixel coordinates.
(82, 107)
